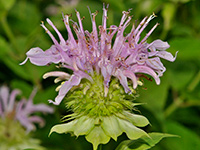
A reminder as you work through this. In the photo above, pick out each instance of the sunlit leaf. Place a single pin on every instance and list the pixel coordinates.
(168, 14)
(7, 4)
(25, 20)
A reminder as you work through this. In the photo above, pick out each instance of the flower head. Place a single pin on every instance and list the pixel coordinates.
(98, 91)
(127, 57)
(21, 110)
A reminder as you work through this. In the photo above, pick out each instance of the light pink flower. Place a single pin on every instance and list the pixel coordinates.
(21, 110)
(126, 57)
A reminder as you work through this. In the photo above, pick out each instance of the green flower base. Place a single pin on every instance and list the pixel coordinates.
(14, 137)
(101, 117)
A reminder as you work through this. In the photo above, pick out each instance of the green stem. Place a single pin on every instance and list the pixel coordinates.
(177, 102)
(9, 33)
(194, 82)
(100, 147)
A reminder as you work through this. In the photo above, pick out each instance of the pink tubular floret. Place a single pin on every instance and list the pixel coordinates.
(127, 57)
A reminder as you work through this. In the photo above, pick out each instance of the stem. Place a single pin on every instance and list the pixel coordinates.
(100, 147)
(9, 33)
(177, 102)
(194, 82)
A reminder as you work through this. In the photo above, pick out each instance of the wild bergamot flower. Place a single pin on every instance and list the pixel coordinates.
(17, 120)
(99, 92)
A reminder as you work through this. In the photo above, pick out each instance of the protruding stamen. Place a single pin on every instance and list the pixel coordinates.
(58, 33)
(80, 22)
(149, 33)
(144, 26)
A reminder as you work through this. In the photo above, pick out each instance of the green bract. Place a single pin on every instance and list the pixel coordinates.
(100, 118)
(14, 137)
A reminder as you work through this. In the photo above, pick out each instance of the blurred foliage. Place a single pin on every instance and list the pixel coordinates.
(172, 107)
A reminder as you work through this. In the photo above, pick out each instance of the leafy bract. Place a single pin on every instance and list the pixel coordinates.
(144, 142)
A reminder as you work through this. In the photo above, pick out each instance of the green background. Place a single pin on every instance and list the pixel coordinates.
(171, 107)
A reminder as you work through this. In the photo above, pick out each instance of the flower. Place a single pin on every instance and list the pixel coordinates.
(22, 110)
(99, 92)
(127, 57)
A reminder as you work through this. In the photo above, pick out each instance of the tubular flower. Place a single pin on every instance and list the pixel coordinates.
(16, 120)
(97, 90)
(22, 110)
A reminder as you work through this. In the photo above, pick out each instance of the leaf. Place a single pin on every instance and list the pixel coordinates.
(7, 4)
(4, 47)
(44, 95)
(63, 128)
(15, 67)
(168, 13)
(119, 6)
(154, 95)
(144, 142)
(145, 7)
(137, 120)
(22, 86)
(180, 76)
(188, 139)
(131, 131)
(21, 20)
(188, 48)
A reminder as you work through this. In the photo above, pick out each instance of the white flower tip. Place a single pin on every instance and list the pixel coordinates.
(157, 81)
(58, 88)
(46, 75)
(140, 83)
(154, 14)
(50, 101)
(49, 21)
(22, 63)
(175, 55)
(57, 80)
(105, 91)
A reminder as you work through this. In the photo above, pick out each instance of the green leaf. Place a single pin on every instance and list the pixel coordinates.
(23, 86)
(63, 128)
(181, 77)
(7, 4)
(168, 13)
(180, 1)
(155, 95)
(144, 142)
(119, 6)
(21, 20)
(44, 95)
(4, 47)
(137, 120)
(188, 48)
(15, 67)
(188, 140)
(131, 131)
